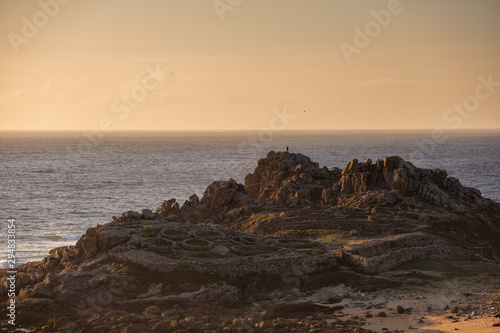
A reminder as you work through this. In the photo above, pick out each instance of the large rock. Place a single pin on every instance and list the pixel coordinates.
(167, 207)
(148, 214)
(284, 178)
(88, 242)
(394, 180)
(220, 194)
(96, 240)
(220, 200)
(109, 238)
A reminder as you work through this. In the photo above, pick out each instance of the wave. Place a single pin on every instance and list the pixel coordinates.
(62, 237)
(70, 237)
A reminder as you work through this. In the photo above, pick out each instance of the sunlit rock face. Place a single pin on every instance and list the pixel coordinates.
(393, 180)
(289, 179)
(283, 178)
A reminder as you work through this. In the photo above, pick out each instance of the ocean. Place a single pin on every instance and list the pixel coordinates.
(58, 184)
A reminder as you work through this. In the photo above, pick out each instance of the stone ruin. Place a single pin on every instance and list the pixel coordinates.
(218, 250)
(382, 254)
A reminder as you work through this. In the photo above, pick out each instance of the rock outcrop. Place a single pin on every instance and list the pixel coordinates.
(286, 179)
(393, 180)
(221, 201)
(289, 179)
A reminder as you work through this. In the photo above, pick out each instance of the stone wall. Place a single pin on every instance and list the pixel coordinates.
(379, 255)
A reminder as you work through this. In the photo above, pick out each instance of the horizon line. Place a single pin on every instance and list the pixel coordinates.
(253, 129)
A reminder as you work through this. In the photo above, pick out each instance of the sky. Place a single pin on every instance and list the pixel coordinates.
(109, 65)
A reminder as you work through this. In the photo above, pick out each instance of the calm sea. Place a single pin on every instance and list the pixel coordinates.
(58, 184)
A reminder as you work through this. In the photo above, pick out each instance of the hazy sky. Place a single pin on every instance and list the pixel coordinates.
(227, 64)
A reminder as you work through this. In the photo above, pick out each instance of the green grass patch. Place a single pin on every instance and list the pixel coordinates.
(451, 269)
(258, 218)
(333, 238)
(252, 223)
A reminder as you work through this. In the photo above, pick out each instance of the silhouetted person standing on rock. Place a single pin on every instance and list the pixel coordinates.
(287, 148)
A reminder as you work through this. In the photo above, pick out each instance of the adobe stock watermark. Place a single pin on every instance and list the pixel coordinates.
(277, 123)
(456, 114)
(373, 28)
(223, 6)
(252, 146)
(471, 103)
(11, 273)
(30, 27)
(147, 81)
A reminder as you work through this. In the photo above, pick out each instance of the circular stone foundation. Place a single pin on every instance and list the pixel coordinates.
(197, 244)
(162, 245)
(177, 234)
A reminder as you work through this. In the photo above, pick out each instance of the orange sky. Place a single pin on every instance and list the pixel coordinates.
(205, 64)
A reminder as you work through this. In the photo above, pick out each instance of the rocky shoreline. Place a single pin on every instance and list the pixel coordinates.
(296, 248)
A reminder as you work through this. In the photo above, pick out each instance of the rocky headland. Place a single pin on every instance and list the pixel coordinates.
(296, 248)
